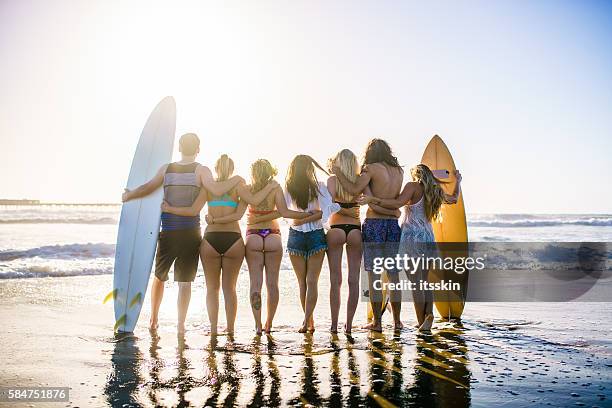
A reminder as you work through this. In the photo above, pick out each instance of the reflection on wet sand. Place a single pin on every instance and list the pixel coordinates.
(441, 374)
(124, 379)
(379, 369)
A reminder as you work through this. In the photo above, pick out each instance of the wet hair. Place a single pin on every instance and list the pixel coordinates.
(347, 162)
(262, 172)
(301, 183)
(432, 192)
(224, 167)
(189, 144)
(379, 151)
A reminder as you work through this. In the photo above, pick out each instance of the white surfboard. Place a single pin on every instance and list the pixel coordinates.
(139, 222)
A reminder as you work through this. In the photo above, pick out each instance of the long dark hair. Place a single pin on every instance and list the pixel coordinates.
(379, 151)
(302, 184)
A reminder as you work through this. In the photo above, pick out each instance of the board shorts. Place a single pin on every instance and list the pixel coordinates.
(181, 248)
(306, 244)
(381, 238)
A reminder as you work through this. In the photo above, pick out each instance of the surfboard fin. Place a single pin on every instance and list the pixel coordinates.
(111, 295)
(119, 322)
(136, 299)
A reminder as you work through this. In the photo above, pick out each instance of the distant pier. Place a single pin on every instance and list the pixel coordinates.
(42, 203)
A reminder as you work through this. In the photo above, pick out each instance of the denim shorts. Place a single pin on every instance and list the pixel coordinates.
(306, 244)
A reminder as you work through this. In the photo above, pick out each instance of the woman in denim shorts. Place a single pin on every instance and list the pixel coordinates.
(306, 244)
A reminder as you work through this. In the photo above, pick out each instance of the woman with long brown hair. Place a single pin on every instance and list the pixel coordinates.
(306, 244)
(422, 197)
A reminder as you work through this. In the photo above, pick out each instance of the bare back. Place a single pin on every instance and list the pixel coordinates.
(268, 205)
(385, 182)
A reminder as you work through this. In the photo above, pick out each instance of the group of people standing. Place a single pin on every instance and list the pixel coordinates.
(311, 205)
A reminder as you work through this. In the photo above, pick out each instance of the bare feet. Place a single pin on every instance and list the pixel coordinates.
(398, 326)
(427, 323)
(374, 326)
(180, 328)
(268, 328)
(153, 324)
(333, 329)
(348, 328)
(307, 327)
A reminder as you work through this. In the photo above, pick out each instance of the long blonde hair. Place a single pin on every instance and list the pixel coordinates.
(262, 172)
(224, 167)
(432, 192)
(349, 166)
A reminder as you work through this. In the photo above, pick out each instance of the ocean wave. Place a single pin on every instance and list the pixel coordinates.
(67, 220)
(45, 271)
(510, 223)
(67, 252)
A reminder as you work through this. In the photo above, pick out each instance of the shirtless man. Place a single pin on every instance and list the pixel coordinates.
(180, 237)
(381, 175)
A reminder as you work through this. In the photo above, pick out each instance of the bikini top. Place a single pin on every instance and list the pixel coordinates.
(267, 206)
(350, 206)
(347, 205)
(224, 201)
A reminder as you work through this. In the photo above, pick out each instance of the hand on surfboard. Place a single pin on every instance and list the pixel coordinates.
(125, 196)
(165, 206)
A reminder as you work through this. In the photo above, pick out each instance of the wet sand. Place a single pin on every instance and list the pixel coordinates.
(56, 332)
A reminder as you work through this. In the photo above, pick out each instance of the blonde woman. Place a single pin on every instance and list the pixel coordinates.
(306, 244)
(264, 249)
(222, 249)
(345, 230)
(423, 198)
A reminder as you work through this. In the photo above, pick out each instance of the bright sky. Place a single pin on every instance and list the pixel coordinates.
(520, 91)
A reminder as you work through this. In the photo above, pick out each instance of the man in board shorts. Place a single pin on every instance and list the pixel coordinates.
(180, 236)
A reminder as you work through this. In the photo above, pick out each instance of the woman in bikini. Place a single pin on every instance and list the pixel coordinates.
(423, 197)
(306, 244)
(264, 249)
(345, 229)
(222, 249)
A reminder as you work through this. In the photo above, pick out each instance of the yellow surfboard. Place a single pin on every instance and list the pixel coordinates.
(452, 227)
(385, 303)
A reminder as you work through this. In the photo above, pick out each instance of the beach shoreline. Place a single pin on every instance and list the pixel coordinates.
(57, 332)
